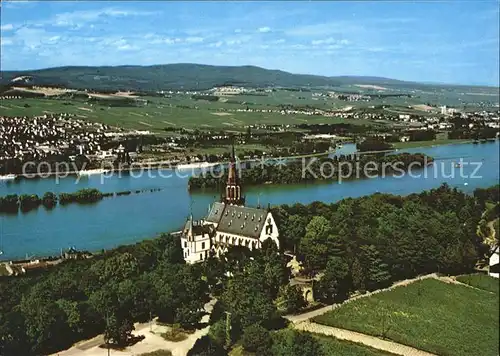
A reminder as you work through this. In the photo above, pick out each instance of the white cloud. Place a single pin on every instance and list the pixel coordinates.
(264, 29)
(194, 39)
(32, 38)
(53, 39)
(6, 42)
(238, 30)
(77, 18)
(325, 29)
(127, 47)
(7, 27)
(233, 42)
(216, 44)
(329, 41)
(165, 40)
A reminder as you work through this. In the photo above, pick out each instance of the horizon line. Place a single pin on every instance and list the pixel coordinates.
(403, 81)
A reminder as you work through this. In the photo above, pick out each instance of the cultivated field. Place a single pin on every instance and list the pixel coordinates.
(154, 113)
(335, 347)
(159, 113)
(481, 281)
(430, 315)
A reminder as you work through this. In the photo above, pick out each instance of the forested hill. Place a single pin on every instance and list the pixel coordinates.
(181, 76)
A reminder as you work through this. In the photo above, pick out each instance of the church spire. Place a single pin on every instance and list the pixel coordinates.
(233, 188)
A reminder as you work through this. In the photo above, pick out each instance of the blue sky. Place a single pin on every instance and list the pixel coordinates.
(448, 42)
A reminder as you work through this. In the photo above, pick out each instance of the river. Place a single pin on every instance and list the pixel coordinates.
(128, 219)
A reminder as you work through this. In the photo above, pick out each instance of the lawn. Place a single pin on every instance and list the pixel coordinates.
(481, 281)
(445, 319)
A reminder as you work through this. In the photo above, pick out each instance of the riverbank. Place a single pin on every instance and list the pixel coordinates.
(166, 164)
(114, 222)
(337, 168)
(435, 143)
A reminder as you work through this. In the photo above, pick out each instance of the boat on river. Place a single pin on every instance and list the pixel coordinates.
(88, 172)
(196, 165)
(8, 177)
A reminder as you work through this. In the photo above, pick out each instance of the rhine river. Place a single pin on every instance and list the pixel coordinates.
(128, 219)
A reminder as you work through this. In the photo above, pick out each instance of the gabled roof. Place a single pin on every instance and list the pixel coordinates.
(244, 221)
(215, 213)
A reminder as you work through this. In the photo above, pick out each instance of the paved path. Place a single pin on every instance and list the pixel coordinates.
(367, 340)
(153, 341)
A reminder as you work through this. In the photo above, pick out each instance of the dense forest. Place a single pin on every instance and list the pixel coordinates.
(357, 244)
(184, 76)
(338, 167)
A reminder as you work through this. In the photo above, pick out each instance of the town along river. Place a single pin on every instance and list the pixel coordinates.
(127, 219)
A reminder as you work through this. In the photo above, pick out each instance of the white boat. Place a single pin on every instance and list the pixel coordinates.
(196, 165)
(88, 172)
(8, 177)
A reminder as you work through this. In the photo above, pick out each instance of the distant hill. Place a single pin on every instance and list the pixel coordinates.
(184, 76)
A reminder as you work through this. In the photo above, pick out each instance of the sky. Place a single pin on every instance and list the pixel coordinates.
(454, 42)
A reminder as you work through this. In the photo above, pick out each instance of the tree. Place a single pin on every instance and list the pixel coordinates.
(358, 276)
(119, 267)
(334, 284)
(270, 267)
(290, 299)
(118, 330)
(318, 244)
(295, 230)
(373, 144)
(180, 294)
(293, 343)
(45, 322)
(377, 272)
(205, 346)
(247, 302)
(256, 339)
(217, 332)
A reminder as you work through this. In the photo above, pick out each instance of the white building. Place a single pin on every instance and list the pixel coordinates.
(228, 223)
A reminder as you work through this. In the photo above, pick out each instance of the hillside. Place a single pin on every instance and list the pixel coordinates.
(184, 76)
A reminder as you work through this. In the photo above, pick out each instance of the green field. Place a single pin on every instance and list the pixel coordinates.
(330, 346)
(445, 319)
(481, 281)
(166, 112)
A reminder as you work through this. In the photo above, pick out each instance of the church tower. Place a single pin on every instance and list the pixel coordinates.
(233, 194)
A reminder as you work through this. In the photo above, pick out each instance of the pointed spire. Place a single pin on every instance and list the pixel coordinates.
(190, 231)
(233, 193)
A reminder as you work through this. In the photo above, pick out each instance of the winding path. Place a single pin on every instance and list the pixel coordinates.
(367, 340)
